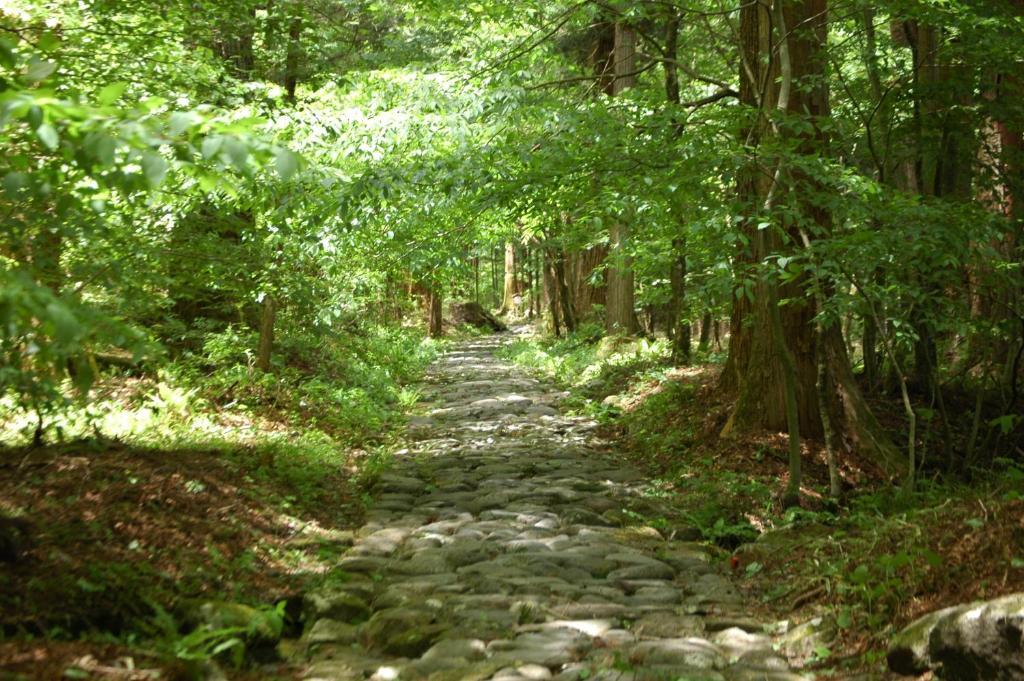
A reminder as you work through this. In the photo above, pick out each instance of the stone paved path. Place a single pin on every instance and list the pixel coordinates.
(496, 550)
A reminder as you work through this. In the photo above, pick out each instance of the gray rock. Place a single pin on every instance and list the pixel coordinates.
(799, 643)
(690, 652)
(470, 649)
(983, 640)
(334, 670)
(652, 570)
(908, 650)
(339, 604)
(404, 632)
(331, 631)
(668, 625)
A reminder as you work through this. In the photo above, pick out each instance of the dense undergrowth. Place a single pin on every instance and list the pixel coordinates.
(200, 480)
(850, 572)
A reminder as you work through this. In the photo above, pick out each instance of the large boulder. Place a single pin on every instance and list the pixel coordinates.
(474, 314)
(981, 641)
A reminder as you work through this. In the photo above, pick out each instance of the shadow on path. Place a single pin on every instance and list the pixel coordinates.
(492, 551)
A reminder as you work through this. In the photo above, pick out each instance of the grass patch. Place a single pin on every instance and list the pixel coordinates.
(207, 481)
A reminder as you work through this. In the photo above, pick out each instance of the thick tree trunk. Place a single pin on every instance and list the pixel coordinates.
(551, 292)
(268, 317)
(620, 313)
(854, 426)
(435, 314)
(757, 363)
(751, 184)
(511, 287)
(680, 328)
(580, 267)
(291, 67)
(558, 265)
(705, 332)
(625, 58)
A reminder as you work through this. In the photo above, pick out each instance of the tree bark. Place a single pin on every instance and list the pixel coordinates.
(580, 267)
(558, 267)
(435, 314)
(705, 332)
(551, 292)
(620, 312)
(679, 324)
(292, 59)
(758, 365)
(620, 315)
(681, 336)
(625, 58)
(511, 287)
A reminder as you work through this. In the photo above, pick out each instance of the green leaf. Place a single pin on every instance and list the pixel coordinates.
(14, 184)
(287, 163)
(182, 121)
(102, 147)
(111, 93)
(48, 136)
(211, 146)
(7, 57)
(238, 152)
(48, 41)
(34, 116)
(65, 326)
(39, 69)
(933, 559)
(155, 167)
(861, 574)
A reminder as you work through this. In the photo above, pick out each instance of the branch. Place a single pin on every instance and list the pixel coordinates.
(711, 99)
(587, 79)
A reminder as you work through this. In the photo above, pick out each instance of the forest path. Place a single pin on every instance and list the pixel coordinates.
(493, 551)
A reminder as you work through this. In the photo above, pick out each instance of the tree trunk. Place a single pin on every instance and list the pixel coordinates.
(476, 279)
(236, 45)
(495, 282)
(551, 292)
(680, 324)
(558, 265)
(621, 315)
(434, 314)
(869, 349)
(705, 332)
(511, 288)
(268, 317)
(755, 45)
(758, 364)
(625, 58)
(580, 271)
(291, 68)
